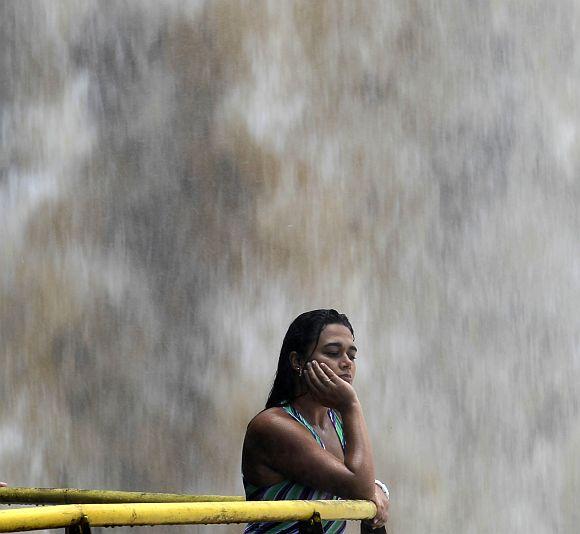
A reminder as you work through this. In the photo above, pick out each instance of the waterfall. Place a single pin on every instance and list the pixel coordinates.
(180, 178)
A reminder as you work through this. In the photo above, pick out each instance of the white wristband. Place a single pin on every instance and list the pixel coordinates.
(383, 487)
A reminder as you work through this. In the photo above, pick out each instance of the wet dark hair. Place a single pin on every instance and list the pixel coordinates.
(304, 331)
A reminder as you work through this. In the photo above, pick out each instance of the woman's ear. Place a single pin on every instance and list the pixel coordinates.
(296, 362)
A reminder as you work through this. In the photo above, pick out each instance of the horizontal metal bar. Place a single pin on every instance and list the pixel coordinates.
(39, 518)
(114, 515)
(79, 496)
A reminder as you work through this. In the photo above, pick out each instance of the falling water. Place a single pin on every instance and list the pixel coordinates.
(180, 178)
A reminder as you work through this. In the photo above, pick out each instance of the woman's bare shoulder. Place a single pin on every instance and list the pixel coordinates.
(268, 418)
(272, 425)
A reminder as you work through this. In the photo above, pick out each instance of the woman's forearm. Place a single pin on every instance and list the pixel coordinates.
(358, 455)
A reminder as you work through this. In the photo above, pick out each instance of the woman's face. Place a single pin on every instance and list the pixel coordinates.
(337, 350)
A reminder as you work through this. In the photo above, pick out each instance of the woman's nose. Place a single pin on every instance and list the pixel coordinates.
(345, 362)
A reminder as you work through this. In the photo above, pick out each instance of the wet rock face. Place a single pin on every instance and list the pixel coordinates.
(179, 179)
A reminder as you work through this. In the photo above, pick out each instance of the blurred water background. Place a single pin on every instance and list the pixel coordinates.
(180, 178)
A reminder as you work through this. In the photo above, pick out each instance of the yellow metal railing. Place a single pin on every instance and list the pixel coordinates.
(81, 496)
(221, 510)
(115, 515)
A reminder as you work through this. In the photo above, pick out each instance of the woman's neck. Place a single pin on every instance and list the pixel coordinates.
(315, 413)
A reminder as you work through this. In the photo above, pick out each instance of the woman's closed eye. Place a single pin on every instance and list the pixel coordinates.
(332, 354)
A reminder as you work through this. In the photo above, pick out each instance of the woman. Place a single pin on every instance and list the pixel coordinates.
(311, 441)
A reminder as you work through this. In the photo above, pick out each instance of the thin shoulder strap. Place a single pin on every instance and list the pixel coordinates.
(299, 417)
(337, 423)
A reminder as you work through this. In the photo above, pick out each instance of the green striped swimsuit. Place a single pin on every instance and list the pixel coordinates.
(289, 490)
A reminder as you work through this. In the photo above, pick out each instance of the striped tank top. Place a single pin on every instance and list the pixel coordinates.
(289, 490)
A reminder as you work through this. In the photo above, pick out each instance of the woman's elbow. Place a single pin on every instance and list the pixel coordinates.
(359, 489)
(367, 493)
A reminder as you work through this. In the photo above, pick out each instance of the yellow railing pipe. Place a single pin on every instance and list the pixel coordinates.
(39, 518)
(112, 515)
(79, 496)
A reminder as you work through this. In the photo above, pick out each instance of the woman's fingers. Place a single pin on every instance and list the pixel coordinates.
(312, 382)
(382, 503)
(323, 373)
(317, 390)
(314, 376)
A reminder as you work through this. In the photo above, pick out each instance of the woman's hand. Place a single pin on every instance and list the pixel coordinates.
(382, 502)
(327, 387)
